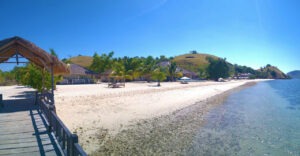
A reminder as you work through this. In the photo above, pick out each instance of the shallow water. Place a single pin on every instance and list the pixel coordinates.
(260, 120)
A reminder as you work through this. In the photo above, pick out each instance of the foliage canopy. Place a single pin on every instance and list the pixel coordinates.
(218, 68)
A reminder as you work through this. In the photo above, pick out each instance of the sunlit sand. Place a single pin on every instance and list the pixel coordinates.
(86, 109)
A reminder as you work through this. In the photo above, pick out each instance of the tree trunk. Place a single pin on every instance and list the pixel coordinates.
(158, 83)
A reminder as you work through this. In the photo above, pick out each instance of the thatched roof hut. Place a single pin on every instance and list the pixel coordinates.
(78, 75)
(79, 70)
(18, 46)
(187, 73)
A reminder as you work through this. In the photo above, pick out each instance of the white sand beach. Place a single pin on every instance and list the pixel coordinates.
(88, 109)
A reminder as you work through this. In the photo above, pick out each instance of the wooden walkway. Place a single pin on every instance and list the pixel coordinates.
(23, 128)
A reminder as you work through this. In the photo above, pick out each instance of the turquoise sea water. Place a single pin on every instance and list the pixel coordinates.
(263, 119)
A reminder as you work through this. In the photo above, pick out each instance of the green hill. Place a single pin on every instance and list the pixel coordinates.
(187, 61)
(193, 62)
(84, 61)
(272, 72)
(294, 74)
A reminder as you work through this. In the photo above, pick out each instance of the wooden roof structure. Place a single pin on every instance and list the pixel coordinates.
(188, 73)
(16, 46)
(79, 70)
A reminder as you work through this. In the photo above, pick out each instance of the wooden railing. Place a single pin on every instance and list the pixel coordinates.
(67, 141)
(1, 101)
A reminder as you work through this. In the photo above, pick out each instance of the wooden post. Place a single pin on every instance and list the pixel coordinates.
(52, 84)
(36, 98)
(70, 146)
(43, 79)
(49, 110)
(17, 58)
(1, 100)
(74, 140)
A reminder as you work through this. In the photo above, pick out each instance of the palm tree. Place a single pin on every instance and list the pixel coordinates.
(158, 75)
(118, 69)
(119, 72)
(52, 52)
(132, 67)
(172, 70)
(102, 62)
(147, 66)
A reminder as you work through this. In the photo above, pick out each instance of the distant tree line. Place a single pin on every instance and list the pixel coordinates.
(135, 68)
(148, 68)
(220, 68)
(29, 75)
(7, 78)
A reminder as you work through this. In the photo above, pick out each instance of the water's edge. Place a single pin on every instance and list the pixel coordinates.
(260, 120)
(165, 135)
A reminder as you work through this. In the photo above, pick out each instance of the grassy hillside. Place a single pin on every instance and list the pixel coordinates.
(84, 61)
(193, 62)
(272, 72)
(294, 74)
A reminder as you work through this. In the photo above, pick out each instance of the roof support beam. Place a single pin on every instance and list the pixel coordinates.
(9, 47)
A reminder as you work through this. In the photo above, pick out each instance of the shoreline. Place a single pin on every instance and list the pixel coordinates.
(166, 134)
(96, 112)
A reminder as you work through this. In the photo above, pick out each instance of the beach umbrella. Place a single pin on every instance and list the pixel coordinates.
(184, 78)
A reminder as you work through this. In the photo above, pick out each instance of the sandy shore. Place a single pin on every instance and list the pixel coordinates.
(98, 114)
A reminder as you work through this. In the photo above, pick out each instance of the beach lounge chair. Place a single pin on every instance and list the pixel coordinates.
(116, 85)
(111, 85)
(183, 82)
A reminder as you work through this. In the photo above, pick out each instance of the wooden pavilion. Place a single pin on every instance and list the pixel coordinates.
(18, 48)
(78, 75)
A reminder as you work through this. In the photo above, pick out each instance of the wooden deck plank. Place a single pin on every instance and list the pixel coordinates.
(23, 131)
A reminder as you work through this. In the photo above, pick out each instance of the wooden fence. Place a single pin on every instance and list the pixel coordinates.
(67, 141)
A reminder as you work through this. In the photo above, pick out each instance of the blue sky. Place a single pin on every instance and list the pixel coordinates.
(246, 32)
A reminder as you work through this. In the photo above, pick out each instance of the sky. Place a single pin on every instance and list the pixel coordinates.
(246, 32)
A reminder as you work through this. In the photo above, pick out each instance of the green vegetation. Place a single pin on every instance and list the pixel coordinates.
(33, 76)
(204, 65)
(218, 68)
(201, 64)
(7, 78)
(29, 75)
(142, 68)
(270, 72)
(84, 61)
(118, 70)
(243, 69)
(172, 71)
(101, 63)
(193, 62)
(159, 75)
(134, 68)
(52, 52)
(148, 65)
(203, 73)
